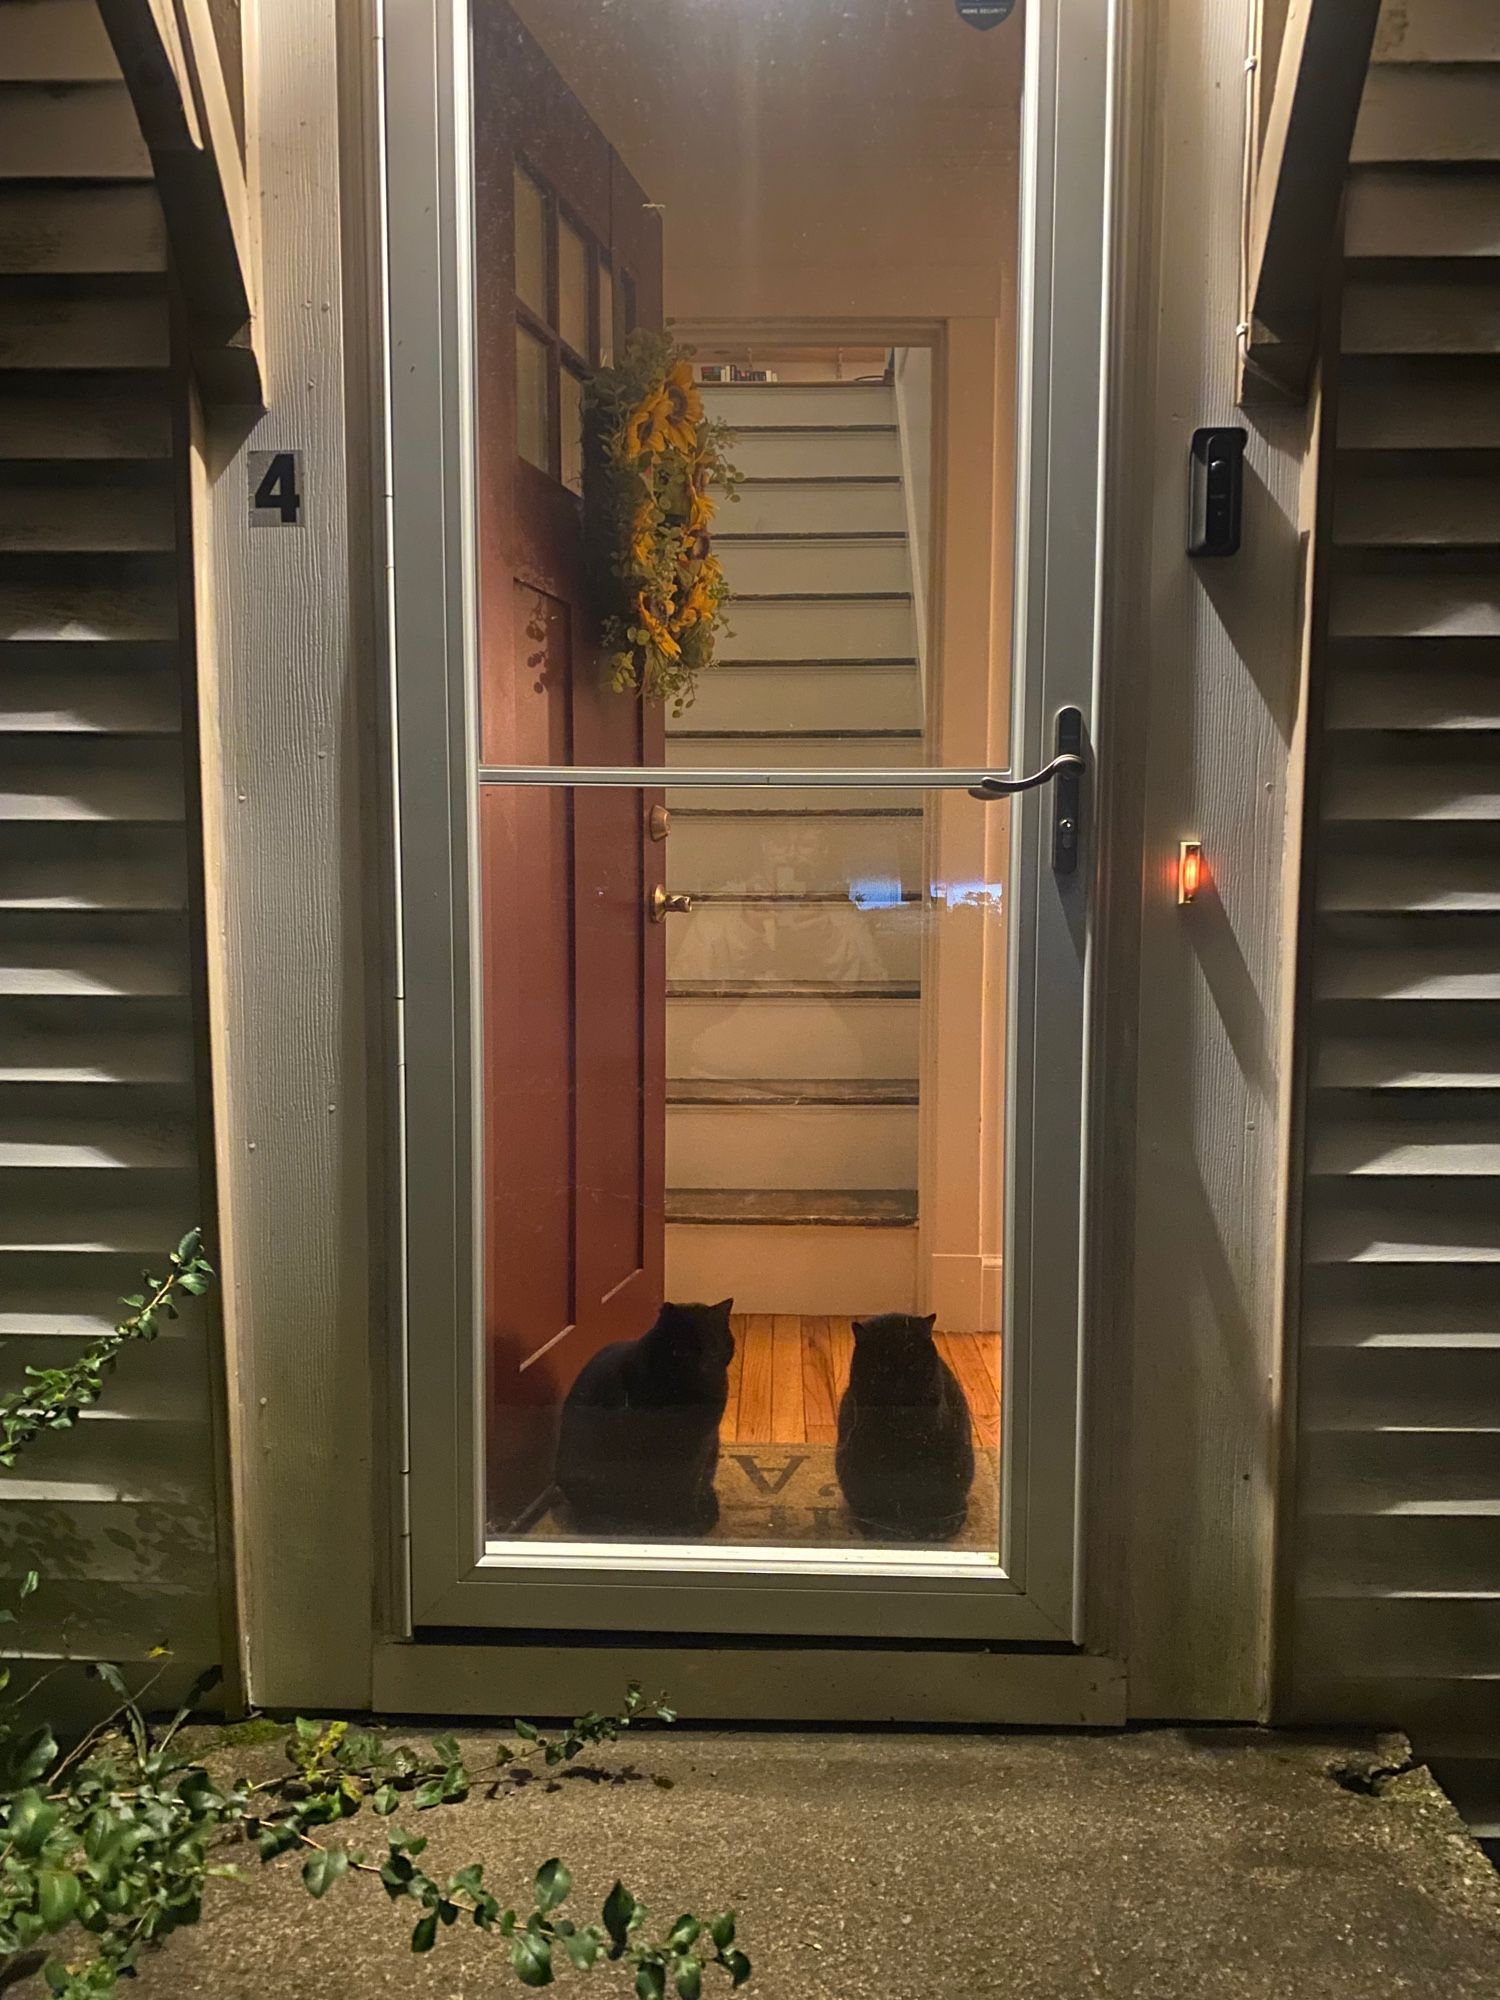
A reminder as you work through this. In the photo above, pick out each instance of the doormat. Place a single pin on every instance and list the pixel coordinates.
(788, 1495)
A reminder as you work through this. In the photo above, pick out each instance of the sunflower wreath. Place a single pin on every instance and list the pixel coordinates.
(650, 458)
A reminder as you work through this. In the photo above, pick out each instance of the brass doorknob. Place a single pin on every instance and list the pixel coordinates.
(667, 902)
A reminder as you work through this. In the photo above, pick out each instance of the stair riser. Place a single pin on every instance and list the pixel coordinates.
(1394, 212)
(1413, 511)
(86, 426)
(817, 455)
(784, 403)
(791, 855)
(72, 132)
(1420, 114)
(42, 520)
(133, 783)
(791, 1146)
(1381, 317)
(83, 333)
(768, 1039)
(810, 508)
(808, 696)
(1420, 412)
(803, 629)
(845, 567)
(62, 232)
(770, 941)
(55, 41)
(787, 753)
(1438, 31)
(837, 1271)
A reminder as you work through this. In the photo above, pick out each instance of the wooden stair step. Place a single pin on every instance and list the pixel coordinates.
(861, 1208)
(781, 1093)
(101, 332)
(70, 131)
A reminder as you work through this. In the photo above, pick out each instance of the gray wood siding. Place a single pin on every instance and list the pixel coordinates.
(1397, 1541)
(100, 1117)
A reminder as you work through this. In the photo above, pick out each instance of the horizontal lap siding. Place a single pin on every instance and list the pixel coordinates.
(100, 1121)
(1397, 1544)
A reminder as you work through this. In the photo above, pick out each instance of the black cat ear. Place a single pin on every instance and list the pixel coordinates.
(724, 1306)
(930, 1321)
(859, 1326)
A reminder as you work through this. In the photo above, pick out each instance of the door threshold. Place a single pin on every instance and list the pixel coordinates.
(812, 1683)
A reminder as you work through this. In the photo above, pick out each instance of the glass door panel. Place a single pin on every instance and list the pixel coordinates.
(744, 1227)
(746, 1026)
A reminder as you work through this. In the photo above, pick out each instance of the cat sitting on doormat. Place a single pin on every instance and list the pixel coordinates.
(905, 1457)
(638, 1445)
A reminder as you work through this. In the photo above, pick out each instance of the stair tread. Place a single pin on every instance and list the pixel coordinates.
(98, 229)
(793, 989)
(826, 1207)
(792, 1091)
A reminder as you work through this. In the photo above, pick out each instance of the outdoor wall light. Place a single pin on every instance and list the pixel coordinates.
(1189, 869)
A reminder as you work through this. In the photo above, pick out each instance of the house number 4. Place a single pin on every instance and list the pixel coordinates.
(275, 489)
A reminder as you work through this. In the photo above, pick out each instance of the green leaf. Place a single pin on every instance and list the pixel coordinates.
(29, 1757)
(527, 1729)
(446, 1750)
(424, 1937)
(386, 1799)
(650, 1980)
(721, 1930)
(190, 1245)
(552, 1884)
(531, 1955)
(584, 1948)
(57, 1893)
(619, 1908)
(737, 1966)
(684, 1932)
(322, 1869)
(29, 1583)
(32, 1819)
(689, 1973)
(428, 1795)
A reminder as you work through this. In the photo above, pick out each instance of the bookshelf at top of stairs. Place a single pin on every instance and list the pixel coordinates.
(794, 984)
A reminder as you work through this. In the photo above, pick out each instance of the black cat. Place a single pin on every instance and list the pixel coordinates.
(638, 1445)
(906, 1450)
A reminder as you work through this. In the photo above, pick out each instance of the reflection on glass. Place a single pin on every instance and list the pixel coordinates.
(745, 1077)
(573, 289)
(531, 244)
(606, 315)
(571, 387)
(532, 427)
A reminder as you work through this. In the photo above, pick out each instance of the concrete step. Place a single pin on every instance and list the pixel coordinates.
(807, 695)
(813, 506)
(799, 452)
(790, 853)
(787, 939)
(816, 405)
(787, 1146)
(814, 564)
(821, 628)
(826, 1032)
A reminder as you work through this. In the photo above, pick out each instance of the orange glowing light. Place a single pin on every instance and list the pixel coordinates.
(1189, 870)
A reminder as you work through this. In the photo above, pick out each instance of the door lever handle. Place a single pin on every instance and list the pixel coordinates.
(667, 902)
(1065, 769)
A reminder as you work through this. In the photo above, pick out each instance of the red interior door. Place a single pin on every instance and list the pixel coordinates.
(574, 978)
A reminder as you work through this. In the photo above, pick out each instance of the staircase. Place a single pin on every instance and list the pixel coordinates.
(98, 1135)
(794, 984)
(1398, 1586)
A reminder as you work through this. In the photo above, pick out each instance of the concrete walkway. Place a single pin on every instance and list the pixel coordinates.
(1179, 1865)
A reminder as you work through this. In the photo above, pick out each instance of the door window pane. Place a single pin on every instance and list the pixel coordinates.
(759, 1001)
(573, 289)
(533, 439)
(572, 430)
(531, 244)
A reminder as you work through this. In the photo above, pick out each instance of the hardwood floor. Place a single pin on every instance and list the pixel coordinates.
(789, 1371)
